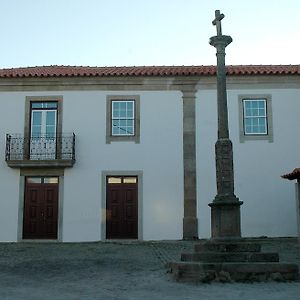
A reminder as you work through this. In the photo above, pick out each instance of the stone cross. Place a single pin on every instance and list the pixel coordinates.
(217, 21)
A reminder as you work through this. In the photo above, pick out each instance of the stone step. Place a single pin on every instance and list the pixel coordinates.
(230, 257)
(229, 272)
(228, 247)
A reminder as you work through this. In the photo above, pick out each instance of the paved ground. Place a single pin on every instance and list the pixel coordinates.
(122, 271)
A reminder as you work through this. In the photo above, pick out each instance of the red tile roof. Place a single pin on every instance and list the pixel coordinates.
(293, 175)
(73, 71)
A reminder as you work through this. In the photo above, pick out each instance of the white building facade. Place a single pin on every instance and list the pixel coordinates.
(91, 154)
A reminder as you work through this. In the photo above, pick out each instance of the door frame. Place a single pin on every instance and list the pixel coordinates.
(139, 175)
(22, 185)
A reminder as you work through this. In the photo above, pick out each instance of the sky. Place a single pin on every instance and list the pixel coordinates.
(146, 32)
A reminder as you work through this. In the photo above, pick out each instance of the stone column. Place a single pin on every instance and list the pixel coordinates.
(297, 186)
(225, 208)
(190, 221)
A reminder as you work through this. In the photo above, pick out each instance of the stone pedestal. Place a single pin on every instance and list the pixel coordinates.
(231, 261)
(225, 219)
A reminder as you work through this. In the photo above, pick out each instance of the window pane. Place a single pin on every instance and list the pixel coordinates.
(122, 105)
(129, 180)
(50, 131)
(37, 105)
(50, 105)
(36, 131)
(44, 104)
(114, 180)
(37, 118)
(34, 180)
(51, 180)
(50, 118)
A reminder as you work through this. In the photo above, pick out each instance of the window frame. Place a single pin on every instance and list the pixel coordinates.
(268, 118)
(110, 137)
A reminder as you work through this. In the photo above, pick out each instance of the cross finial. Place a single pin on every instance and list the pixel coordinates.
(217, 21)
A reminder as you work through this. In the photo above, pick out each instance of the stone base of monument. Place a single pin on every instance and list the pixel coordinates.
(230, 261)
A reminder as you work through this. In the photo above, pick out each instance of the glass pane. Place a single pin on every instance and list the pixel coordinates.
(261, 104)
(123, 105)
(37, 105)
(50, 131)
(130, 105)
(115, 109)
(129, 180)
(50, 105)
(247, 104)
(114, 180)
(51, 180)
(44, 104)
(36, 131)
(248, 112)
(255, 112)
(122, 113)
(37, 118)
(34, 180)
(130, 130)
(50, 118)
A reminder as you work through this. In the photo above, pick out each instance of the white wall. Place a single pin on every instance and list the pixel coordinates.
(158, 156)
(269, 201)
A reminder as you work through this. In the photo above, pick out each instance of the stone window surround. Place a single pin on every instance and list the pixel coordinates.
(29, 99)
(244, 137)
(134, 138)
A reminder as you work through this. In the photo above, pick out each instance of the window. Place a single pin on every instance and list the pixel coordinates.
(123, 118)
(122, 121)
(43, 123)
(255, 117)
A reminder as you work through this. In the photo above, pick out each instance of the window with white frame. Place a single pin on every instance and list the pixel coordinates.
(255, 117)
(123, 118)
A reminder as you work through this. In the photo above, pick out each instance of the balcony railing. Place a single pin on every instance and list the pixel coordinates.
(42, 151)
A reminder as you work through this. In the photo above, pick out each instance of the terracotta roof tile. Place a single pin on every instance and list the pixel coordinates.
(293, 175)
(80, 71)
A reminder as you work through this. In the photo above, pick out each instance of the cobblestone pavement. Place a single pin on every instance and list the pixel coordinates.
(123, 270)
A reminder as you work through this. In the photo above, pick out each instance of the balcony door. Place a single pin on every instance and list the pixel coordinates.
(43, 130)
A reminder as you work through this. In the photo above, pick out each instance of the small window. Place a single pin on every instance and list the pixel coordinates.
(255, 117)
(34, 180)
(121, 179)
(43, 105)
(114, 180)
(51, 180)
(123, 118)
(129, 180)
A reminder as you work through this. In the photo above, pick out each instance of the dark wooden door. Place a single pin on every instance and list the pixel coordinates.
(40, 211)
(122, 210)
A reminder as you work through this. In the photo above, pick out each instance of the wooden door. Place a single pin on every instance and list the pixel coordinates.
(40, 209)
(122, 208)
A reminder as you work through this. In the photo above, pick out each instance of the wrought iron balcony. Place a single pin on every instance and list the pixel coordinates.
(42, 151)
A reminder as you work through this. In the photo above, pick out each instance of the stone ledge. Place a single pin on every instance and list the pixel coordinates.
(217, 257)
(229, 272)
(217, 246)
